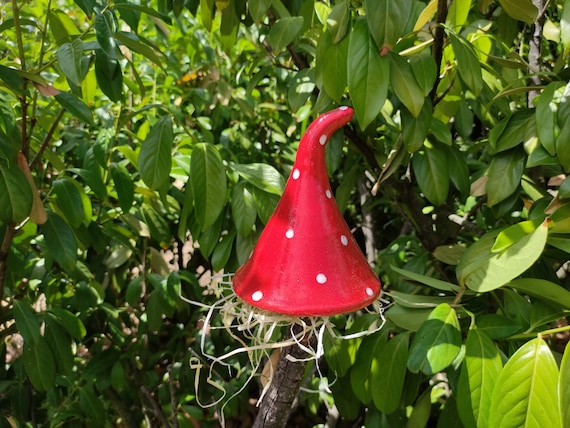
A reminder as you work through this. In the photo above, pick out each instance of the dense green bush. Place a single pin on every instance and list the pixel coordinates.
(143, 148)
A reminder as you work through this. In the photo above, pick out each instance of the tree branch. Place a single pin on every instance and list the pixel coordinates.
(438, 41)
(535, 50)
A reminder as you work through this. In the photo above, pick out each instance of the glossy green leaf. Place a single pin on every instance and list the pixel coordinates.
(458, 13)
(223, 251)
(387, 20)
(425, 71)
(61, 26)
(109, 76)
(105, 28)
(432, 174)
(331, 68)
(262, 176)
(497, 326)
(505, 173)
(15, 193)
(415, 129)
(437, 342)
(284, 32)
(564, 387)
(60, 241)
(468, 67)
(157, 225)
(438, 284)
(123, 185)
(545, 290)
(421, 411)
(91, 404)
(69, 59)
(525, 394)
(301, 88)
(360, 378)
(565, 25)
(243, 208)
(39, 364)
(86, 6)
(512, 234)
(545, 114)
(388, 372)
(405, 85)
(265, 203)
(510, 132)
(60, 344)
(258, 9)
(479, 373)
(208, 178)
(75, 106)
(69, 201)
(155, 158)
(134, 43)
(27, 322)
(70, 322)
(441, 131)
(521, 10)
(368, 75)
(124, 5)
(11, 78)
(482, 270)
(337, 21)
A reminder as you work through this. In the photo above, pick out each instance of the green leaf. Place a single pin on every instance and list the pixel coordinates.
(407, 318)
(337, 21)
(331, 68)
(155, 158)
(69, 201)
(265, 203)
(91, 405)
(512, 234)
(12, 79)
(284, 32)
(468, 66)
(105, 28)
(405, 85)
(505, 173)
(70, 322)
(26, 322)
(61, 26)
(60, 241)
(243, 208)
(262, 176)
(368, 75)
(525, 394)
(387, 20)
(60, 345)
(15, 194)
(441, 131)
(542, 289)
(109, 76)
(360, 378)
(142, 9)
(69, 59)
(564, 387)
(564, 189)
(565, 25)
(509, 132)
(545, 114)
(39, 364)
(425, 71)
(86, 6)
(301, 88)
(497, 326)
(223, 251)
(258, 9)
(482, 270)
(436, 343)
(208, 178)
(426, 280)
(415, 129)
(123, 185)
(133, 42)
(75, 106)
(521, 10)
(388, 372)
(432, 174)
(479, 373)
(458, 170)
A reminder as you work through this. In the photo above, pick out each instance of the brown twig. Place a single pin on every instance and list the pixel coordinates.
(438, 42)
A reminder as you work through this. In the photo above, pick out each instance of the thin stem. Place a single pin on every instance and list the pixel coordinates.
(539, 334)
(438, 42)
(47, 138)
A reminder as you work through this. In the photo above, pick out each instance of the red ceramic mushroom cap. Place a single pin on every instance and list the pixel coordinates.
(306, 262)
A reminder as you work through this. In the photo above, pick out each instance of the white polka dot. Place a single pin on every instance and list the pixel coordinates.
(296, 174)
(323, 139)
(256, 297)
(328, 193)
(369, 291)
(344, 240)
(290, 233)
(321, 278)
(343, 107)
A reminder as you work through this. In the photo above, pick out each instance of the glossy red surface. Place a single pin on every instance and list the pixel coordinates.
(306, 262)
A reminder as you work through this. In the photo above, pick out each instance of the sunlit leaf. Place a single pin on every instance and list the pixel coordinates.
(386, 21)
(262, 176)
(155, 159)
(431, 171)
(437, 342)
(521, 10)
(525, 393)
(405, 85)
(284, 31)
(505, 173)
(69, 59)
